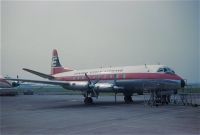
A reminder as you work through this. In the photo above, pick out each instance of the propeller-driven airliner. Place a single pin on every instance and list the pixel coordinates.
(127, 80)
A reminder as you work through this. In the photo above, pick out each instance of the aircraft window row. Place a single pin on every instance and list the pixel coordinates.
(99, 76)
(166, 70)
(94, 72)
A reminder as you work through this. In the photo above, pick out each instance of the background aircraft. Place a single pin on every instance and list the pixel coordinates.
(127, 80)
(8, 88)
(6, 84)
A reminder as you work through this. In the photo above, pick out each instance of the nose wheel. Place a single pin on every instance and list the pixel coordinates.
(88, 100)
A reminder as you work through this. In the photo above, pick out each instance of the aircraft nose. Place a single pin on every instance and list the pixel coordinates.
(182, 83)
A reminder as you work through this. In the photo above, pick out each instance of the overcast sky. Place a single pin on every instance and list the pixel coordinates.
(95, 34)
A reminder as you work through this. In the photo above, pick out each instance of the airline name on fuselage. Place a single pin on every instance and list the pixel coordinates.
(100, 71)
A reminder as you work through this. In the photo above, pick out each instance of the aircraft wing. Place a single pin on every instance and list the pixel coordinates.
(52, 82)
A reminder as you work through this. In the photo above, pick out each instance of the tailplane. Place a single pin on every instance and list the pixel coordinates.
(56, 67)
(39, 74)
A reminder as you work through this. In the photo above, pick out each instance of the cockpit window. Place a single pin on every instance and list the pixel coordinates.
(160, 70)
(166, 70)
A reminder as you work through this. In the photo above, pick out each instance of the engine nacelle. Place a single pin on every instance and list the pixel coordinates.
(77, 86)
(15, 84)
(104, 87)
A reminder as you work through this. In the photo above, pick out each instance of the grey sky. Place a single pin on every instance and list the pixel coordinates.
(95, 34)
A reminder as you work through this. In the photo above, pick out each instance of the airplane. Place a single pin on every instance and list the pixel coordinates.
(6, 84)
(127, 79)
(8, 88)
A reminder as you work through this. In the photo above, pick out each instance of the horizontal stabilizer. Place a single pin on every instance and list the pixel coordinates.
(39, 74)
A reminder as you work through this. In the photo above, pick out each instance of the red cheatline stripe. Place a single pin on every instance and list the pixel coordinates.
(122, 76)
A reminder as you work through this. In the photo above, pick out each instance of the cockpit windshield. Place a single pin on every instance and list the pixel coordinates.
(166, 70)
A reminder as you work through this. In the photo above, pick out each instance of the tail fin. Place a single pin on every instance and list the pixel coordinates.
(56, 67)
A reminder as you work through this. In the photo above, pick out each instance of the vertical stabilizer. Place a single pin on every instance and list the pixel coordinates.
(56, 67)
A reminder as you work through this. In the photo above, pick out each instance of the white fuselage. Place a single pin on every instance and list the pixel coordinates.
(130, 78)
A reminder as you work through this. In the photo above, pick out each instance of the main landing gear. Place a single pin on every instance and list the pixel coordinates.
(88, 100)
(88, 97)
(128, 99)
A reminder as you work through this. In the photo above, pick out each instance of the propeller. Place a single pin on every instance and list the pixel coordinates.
(17, 79)
(91, 85)
(15, 84)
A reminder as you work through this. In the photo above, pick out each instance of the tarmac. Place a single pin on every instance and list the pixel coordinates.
(68, 115)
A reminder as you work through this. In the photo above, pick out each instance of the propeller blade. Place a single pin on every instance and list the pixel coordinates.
(88, 78)
(18, 78)
(95, 93)
(96, 81)
(91, 84)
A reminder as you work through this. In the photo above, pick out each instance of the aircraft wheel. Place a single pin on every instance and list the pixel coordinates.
(88, 100)
(128, 99)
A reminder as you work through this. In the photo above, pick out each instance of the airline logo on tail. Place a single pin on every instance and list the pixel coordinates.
(55, 62)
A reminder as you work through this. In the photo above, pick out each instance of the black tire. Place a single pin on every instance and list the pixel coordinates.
(128, 99)
(88, 100)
